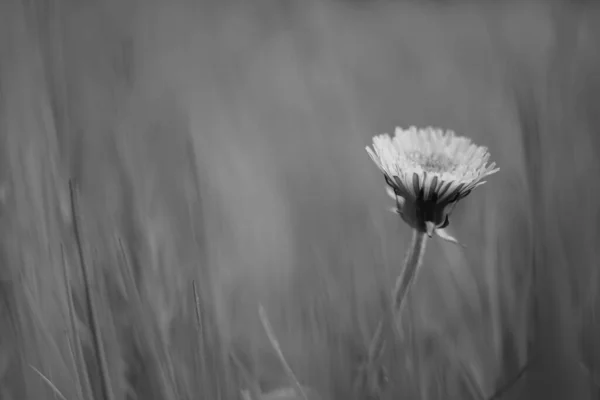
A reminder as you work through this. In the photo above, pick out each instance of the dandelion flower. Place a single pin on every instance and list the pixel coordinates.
(428, 171)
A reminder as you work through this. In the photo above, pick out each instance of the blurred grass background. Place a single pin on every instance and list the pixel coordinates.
(222, 143)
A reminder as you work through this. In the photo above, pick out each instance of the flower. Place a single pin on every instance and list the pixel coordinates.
(428, 171)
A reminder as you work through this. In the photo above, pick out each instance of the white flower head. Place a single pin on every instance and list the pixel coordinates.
(429, 170)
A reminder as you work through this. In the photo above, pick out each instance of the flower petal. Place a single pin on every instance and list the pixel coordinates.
(390, 192)
(447, 237)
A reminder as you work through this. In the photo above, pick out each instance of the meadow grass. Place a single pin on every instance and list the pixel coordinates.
(218, 153)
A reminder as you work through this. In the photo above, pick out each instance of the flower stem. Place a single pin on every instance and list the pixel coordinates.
(412, 262)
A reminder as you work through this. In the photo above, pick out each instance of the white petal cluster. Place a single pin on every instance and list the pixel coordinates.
(443, 161)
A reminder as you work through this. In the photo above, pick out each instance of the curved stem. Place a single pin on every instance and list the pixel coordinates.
(412, 262)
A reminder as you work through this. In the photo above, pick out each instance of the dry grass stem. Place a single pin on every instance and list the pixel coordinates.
(49, 383)
(105, 387)
(275, 343)
(79, 368)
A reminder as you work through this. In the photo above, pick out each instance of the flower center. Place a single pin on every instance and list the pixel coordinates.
(433, 162)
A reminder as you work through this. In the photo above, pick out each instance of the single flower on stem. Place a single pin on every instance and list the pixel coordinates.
(428, 171)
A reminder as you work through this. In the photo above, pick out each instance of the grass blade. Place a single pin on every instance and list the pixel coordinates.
(105, 386)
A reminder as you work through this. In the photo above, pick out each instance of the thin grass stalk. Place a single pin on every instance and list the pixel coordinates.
(594, 378)
(73, 360)
(200, 330)
(83, 383)
(508, 385)
(210, 348)
(275, 343)
(252, 392)
(476, 391)
(105, 387)
(152, 344)
(555, 341)
(49, 383)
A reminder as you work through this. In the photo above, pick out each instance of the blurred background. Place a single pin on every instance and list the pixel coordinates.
(217, 148)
